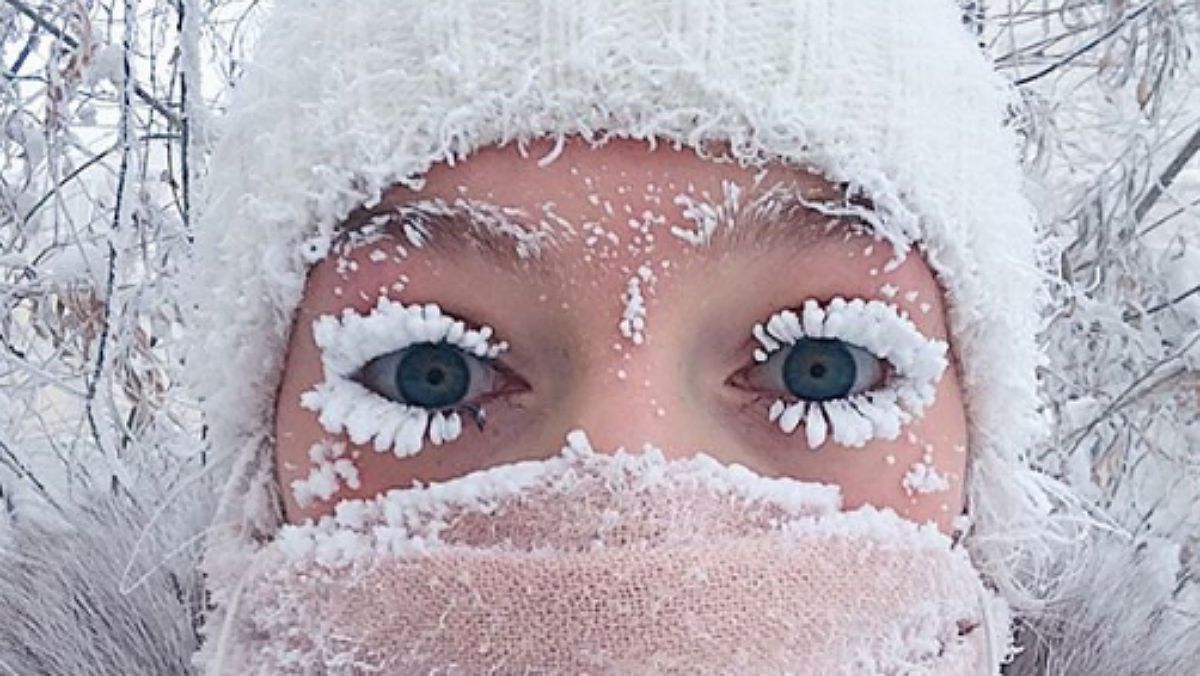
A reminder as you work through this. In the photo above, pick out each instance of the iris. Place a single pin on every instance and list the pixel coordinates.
(432, 376)
(820, 369)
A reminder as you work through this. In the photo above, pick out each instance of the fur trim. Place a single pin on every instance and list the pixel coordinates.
(1122, 608)
(105, 590)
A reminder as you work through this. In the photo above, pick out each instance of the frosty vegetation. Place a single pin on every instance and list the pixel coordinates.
(105, 108)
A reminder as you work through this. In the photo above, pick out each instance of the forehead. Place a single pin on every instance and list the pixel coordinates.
(621, 226)
(617, 167)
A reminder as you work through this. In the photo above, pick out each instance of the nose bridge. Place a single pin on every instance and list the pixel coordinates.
(637, 396)
(632, 383)
(622, 413)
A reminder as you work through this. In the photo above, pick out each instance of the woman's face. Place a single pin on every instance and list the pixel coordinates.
(676, 369)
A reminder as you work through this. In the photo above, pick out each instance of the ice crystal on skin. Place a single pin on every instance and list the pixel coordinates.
(330, 470)
(347, 344)
(633, 315)
(416, 222)
(880, 328)
(408, 519)
(923, 478)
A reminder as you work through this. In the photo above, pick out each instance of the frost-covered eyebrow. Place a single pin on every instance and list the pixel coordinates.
(502, 236)
(506, 238)
(786, 220)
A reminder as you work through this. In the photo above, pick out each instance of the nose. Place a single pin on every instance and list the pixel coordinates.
(620, 414)
(649, 399)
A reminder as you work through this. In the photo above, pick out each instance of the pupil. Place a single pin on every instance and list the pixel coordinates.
(433, 376)
(819, 369)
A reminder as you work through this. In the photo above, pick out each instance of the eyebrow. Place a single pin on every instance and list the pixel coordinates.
(786, 219)
(506, 238)
(501, 236)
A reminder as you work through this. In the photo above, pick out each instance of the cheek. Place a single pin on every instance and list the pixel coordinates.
(918, 475)
(296, 429)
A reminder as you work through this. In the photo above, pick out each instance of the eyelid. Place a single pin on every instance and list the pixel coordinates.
(878, 327)
(348, 343)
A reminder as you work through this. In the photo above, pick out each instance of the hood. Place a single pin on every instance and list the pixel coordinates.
(383, 90)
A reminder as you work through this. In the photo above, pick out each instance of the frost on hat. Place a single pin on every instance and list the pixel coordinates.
(348, 97)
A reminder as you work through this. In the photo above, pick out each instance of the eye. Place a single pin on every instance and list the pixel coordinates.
(403, 374)
(818, 369)
(431, 376)
(852, 370)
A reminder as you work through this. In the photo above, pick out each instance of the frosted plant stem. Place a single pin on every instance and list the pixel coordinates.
(1168, 176)
(125, 133)
(14, 463)
(150, 100)
(1084, 49)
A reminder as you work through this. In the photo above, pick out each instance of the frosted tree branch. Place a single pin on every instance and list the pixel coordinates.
(45, 25)
(1168, 176)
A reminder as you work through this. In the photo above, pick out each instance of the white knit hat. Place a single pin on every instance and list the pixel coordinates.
(348, 97)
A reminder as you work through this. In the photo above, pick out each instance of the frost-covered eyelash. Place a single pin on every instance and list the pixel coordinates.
(879, 328)
(347, 344)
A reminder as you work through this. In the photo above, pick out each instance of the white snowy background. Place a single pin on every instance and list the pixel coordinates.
(107, 113)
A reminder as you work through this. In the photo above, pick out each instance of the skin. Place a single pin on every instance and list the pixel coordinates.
(679, 389)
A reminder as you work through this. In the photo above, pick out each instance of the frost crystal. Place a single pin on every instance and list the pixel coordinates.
(706, 216)
(330, 469)
(633, 316)
(924, 478)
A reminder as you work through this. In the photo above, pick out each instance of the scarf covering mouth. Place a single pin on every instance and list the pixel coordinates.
(599, 564)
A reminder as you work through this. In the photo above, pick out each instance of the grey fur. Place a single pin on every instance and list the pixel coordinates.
(63, 609)
(1123, 612)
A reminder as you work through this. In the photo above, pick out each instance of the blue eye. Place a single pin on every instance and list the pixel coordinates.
(818, 369)
(432, 376)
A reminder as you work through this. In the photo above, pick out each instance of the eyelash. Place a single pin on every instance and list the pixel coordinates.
(870, 329)
(354, 353)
